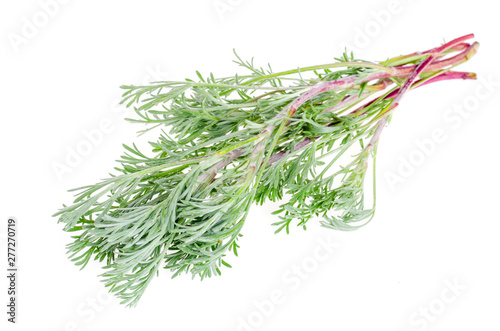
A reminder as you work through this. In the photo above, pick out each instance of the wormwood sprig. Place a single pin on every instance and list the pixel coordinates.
(239, 140)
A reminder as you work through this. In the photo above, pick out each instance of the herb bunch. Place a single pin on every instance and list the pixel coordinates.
(239, 140)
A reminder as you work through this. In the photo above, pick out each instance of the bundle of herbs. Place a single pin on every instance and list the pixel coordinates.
(240, 140)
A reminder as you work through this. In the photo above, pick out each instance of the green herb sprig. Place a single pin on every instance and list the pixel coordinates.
(236, 141)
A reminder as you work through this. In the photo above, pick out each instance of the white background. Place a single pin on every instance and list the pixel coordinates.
(437, 226)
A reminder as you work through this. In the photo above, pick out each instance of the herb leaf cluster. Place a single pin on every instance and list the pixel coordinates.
(226, 143)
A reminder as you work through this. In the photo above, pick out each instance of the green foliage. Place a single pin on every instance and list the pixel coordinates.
(224, 144)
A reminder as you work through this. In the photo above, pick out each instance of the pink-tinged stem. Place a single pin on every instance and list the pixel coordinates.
(416, 70)
(456, 48)
(456, 44)
(347, 101)
(451, 44)
(353, 98)
(397, 99)
(347, 82)
(460, 57)
(413, 71)
(350, 82)
(445, 76)
(414, 75)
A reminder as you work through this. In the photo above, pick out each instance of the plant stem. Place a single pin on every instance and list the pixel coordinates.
(445, 76)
